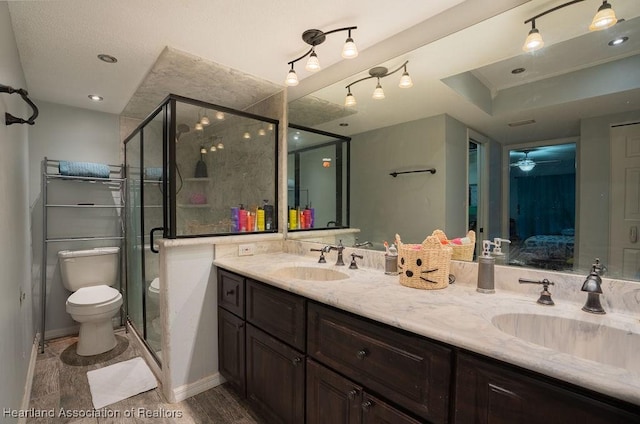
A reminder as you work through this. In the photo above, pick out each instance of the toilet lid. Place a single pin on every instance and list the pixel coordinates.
(154, 287)
(94, 295)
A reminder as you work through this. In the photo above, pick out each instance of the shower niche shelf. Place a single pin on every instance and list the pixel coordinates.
(191, 206)
(197, 180)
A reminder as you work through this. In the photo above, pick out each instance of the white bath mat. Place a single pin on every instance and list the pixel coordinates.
(119, 381)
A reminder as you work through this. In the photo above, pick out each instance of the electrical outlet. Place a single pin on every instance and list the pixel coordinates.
(246, 249)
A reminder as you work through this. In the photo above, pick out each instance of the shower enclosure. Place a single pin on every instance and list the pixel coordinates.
(193, 169)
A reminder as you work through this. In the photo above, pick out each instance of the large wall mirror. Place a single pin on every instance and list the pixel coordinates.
(480, 112)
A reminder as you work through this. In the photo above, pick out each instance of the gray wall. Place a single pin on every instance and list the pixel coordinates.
(412, 205)
(16, 328)
(68, 133)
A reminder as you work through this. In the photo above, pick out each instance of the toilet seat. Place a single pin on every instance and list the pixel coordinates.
(93, 300)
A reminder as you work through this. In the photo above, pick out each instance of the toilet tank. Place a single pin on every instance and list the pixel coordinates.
(86, 268)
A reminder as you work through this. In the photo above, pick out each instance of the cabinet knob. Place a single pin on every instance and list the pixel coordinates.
(366, 406)
(230, 292)
(295, 361)
(352, 394)
(362, 353)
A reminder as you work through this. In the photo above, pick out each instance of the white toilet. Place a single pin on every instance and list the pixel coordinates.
(89, 274)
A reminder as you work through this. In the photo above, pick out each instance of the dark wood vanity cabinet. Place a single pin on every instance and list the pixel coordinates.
(231, 349)
(334, 399)
(300, 361)
(406, 369)
(261, 344)
(275, 378)
(489, 392)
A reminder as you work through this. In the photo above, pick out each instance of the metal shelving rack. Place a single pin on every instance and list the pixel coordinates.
(50, 172)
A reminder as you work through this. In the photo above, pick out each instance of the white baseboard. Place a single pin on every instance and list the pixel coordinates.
(26, 396)
(186, 391)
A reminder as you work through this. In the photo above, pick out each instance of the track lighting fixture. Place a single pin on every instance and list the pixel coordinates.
(379, 72)
(604, 18)
(315, 37)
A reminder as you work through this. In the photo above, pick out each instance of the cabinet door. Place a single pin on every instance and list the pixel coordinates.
(331, 398)
(279, 313)
(275, 378)
(231, 353)
(408, 370)
(490, 393)
(231, 292)
(375, 411)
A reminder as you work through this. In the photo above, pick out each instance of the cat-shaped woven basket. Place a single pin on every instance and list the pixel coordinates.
(424, 266)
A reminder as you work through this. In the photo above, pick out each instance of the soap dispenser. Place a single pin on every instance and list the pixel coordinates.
(486, 265)
(498, 254)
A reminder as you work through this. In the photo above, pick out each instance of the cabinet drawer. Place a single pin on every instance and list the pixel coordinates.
(277, 312)
(502, 395)
(406, 369)
(231, 292)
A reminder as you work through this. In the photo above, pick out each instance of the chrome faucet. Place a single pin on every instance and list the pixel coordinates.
(593, 286)
(339, 248)
(363, 244)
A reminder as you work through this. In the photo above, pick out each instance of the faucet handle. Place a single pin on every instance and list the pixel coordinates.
(322, 259)
(353, 264)
(545, 296)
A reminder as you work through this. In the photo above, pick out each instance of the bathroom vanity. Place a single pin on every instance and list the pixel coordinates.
(316, 343)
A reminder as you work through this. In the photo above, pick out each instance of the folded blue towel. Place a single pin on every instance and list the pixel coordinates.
(84, 169)
(153, 173)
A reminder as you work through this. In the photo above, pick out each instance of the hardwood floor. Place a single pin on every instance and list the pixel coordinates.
(60, 388)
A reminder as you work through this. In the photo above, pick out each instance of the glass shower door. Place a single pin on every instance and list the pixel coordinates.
(152, 161)
(134, 239)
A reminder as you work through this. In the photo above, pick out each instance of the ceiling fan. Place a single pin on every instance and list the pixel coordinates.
(526, 164)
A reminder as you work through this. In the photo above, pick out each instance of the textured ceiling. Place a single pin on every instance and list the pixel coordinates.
(58, 41)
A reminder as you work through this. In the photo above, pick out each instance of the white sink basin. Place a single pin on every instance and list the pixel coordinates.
(310, 273)
(600, 343)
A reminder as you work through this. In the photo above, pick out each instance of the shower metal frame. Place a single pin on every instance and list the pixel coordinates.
(168, 107)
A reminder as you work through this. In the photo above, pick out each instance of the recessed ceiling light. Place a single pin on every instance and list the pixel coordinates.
(518, 70)
(95, 97)
(618, 41)
(343, 124)
(107, 58)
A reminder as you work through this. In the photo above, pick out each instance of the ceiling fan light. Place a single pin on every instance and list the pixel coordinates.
(313, 64)
(405, 80)
(604, 18)
(533, 42)
(349, 50)
(291, 81)
(378, 93)
(526, 165)
(350, 100)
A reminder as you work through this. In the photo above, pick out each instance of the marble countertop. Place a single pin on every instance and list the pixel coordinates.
(457, 315)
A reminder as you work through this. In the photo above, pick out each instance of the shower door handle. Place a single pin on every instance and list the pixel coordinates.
(152, 247)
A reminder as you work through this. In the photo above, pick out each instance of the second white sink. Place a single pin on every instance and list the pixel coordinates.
(588, 340)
